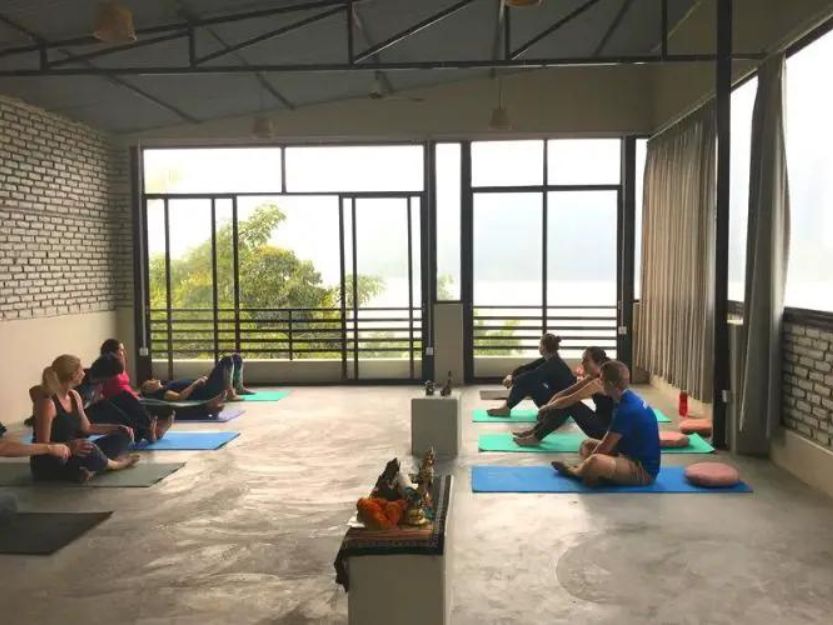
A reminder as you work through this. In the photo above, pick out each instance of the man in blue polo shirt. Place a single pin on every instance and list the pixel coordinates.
(629, 453)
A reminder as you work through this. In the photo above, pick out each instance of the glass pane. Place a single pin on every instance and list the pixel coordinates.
(581, 269)
(507, 273)
(584, 161)
(507, 163)
(448, 221)
(225, 275)
(809, 131)
(355, 168)
(288, 249)
(212, 170)
(641, 156)
(192, 286)
(743, 101)
(156, 278)
(382, 269)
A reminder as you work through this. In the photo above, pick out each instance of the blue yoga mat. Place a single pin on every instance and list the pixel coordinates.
(227, 414)
(190, 441)
(544, 479)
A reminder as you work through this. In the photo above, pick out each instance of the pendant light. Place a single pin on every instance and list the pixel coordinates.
(113, 23)
(500, 116)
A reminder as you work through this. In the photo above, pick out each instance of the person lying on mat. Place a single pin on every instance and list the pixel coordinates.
(539, 380)
(629, 452)
(569, 403)
(225, 382)
(123, 408)
(13, 449)
(60, 418)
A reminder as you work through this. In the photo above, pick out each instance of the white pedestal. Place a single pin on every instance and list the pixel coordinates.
(435, 422)
(403, 589)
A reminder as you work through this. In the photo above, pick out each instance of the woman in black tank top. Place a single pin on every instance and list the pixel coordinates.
(569, 403)
(60, 418)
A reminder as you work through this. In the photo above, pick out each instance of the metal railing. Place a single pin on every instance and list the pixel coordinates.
(286, 333)
(514, 330)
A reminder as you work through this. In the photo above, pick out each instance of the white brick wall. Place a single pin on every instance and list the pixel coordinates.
(808, 382)
(65, 237)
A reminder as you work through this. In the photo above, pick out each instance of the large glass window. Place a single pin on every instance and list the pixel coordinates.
(448, 200)
(809, 134)
(584, 161)
(507, 163)
(743, 101)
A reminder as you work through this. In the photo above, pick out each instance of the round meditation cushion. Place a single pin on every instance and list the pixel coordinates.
(712, 474)
(672, 439)
(696, 426)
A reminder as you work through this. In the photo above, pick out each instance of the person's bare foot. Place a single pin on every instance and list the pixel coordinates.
(520, 433)
(527, 441)
(503, 411)
(244, 391)
(215, 404)
(152, 436)
(232, 396)
(131, 460)
(564, 469)
(162, 426)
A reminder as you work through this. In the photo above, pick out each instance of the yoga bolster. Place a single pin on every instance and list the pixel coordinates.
(703, 427)
(672, 439)
(712, 474)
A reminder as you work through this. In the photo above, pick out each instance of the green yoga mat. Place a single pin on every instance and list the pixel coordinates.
(569, 443)
(266, 396)
(142, 475)
(529, 415)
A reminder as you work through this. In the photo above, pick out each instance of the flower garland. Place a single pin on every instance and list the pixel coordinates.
(380, 514)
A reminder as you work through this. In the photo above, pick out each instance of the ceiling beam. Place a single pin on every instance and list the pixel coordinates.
(75, 58)
(412, 30)
(262, 82)
(554, 27)
(269, 35)
(201, 22)
(369, 39)
(620, 15)
(397, 66)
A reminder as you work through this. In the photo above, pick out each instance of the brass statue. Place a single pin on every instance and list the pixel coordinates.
(446, 390)
(424, 479)
(429, 388)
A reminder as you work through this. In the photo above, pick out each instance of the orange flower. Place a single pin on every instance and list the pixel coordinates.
(380, 514)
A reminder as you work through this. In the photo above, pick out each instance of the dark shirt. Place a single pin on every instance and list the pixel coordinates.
(552, 373)
(177, 386)
(634, 420)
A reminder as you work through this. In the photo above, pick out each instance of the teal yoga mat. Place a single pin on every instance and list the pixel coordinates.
(266, 396)
(569, 443)
(528, 415)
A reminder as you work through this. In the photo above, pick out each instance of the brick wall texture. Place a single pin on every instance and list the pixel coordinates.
(808, 382)
(65, 233)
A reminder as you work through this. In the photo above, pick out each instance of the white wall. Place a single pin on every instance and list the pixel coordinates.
(32, 344)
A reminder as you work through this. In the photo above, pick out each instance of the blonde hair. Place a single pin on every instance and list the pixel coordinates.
(59, 372)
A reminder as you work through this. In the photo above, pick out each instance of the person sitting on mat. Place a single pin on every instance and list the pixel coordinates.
(123, 408)
(539, 380)
(569, 403)
(224, 382)
(60, 418)
(629, 452)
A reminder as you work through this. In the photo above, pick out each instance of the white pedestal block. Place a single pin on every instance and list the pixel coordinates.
(435, 422)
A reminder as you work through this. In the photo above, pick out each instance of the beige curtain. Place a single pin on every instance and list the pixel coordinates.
(767, 251)
(676, 324)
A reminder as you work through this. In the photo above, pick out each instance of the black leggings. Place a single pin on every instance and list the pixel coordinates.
(104, 449)
(528, 386)
(122, 409)
(593, 424)
(225, 373)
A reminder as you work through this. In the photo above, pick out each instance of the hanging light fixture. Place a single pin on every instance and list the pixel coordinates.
(262, 127)
(113, 23)
(500, 116)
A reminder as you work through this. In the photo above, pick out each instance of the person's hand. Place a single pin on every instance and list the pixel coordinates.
(507, 381)
(127, 430)
(60, 451)
(80, 447)
(200, 380)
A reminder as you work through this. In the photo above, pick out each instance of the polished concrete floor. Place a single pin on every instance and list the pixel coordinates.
(247, 535)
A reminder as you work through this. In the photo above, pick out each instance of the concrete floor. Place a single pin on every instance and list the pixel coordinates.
(247, 535)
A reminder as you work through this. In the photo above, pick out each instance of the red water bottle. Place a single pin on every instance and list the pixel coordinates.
(682, 406)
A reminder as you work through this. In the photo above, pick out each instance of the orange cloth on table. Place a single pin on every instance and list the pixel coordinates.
(380, 514)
